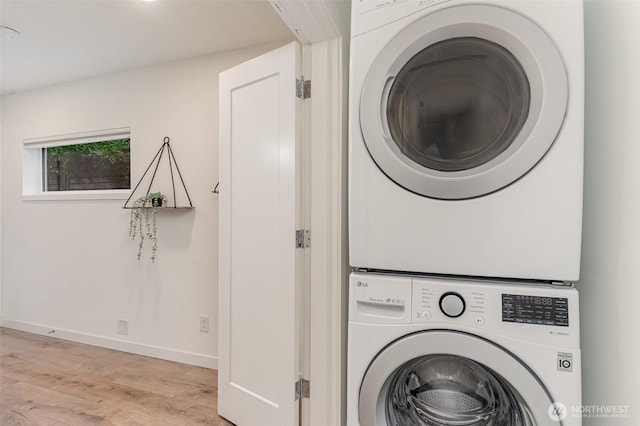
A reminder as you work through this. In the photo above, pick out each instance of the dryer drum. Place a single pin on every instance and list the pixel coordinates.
(458, 104)
(452, 390)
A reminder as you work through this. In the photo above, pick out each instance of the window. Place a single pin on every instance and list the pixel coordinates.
(87, 166)
(78, 166)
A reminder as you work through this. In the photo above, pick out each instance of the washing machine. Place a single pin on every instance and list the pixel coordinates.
(441, 351)
(466, 137)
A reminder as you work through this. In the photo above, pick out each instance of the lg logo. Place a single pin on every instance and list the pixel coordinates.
(361, 284)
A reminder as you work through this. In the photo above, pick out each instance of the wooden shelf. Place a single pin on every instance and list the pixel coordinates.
(164, 208)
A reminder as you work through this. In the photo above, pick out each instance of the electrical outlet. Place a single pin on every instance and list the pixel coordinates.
(123, 327)
(204, 323)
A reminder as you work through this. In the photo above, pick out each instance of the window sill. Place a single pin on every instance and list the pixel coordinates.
(78, 195)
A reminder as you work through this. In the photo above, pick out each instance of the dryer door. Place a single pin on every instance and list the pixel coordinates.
(463, 101)
(446, 377)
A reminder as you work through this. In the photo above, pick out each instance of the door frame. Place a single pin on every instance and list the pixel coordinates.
(323, 27)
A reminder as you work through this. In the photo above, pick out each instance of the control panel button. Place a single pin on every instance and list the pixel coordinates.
(452, 304)
(479, 320)
(426, 315)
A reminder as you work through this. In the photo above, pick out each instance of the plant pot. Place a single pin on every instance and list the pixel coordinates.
(156, 202)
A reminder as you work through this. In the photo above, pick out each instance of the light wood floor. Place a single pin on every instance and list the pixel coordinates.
(52, 382)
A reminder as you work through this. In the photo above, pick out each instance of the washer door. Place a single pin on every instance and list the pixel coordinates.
(429, 378)
(463, 101)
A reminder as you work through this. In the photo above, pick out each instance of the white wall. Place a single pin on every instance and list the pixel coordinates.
(610, 278)
(70, 266)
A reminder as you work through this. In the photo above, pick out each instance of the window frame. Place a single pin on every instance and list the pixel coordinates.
(33, 161)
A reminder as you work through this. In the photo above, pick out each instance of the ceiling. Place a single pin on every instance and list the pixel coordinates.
(66, 40)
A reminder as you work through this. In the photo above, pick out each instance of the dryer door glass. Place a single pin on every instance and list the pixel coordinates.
(458, 104)
(452, 390)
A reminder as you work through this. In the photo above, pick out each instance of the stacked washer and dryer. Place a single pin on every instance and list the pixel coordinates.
(465, 212)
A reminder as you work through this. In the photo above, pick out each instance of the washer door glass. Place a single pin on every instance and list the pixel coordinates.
(447, 377)
(452, 390)
(458, 104)
(463, 101)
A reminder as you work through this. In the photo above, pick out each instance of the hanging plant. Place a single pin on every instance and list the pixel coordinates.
(142, 223)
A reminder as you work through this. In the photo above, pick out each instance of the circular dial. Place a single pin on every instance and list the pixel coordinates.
(452, 304)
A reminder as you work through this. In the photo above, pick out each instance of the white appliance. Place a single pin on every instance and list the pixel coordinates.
(435, 351)
(466, 137)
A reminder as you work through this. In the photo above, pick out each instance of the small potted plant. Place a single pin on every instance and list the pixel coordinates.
(156, 198)
(142, 223)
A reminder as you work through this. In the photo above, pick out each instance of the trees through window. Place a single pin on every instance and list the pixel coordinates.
(87, 166)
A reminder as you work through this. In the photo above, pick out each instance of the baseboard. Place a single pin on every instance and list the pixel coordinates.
(119, 345)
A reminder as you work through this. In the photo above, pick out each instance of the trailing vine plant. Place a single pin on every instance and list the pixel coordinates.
(142, 222)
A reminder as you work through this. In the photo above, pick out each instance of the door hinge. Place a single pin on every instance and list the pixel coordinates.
(303, 88)
(303, 389)
(303, 238)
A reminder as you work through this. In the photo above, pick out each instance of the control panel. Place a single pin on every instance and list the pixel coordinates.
(536, 311)
(437, 300)
(541, 310)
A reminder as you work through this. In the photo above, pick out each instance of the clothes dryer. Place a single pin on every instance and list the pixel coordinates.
(432, 351)
(466, 137)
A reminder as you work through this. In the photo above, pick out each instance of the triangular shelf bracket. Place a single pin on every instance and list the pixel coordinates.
(155, 164)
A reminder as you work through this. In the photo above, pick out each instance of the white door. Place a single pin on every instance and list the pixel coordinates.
(260, 267)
